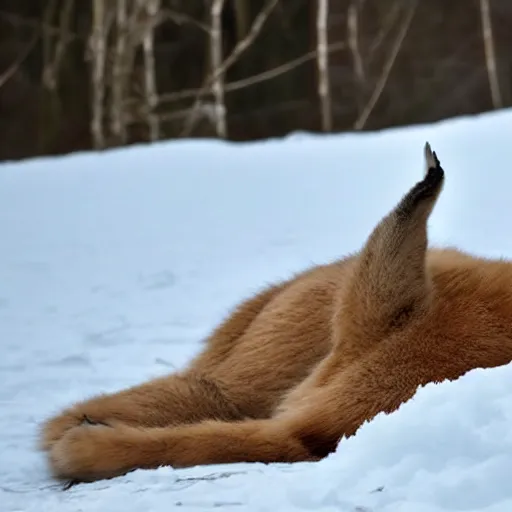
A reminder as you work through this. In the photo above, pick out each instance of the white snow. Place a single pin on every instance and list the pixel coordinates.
(114, 266)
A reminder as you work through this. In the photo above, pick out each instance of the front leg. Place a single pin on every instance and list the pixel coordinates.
(307, 431)
(89, 452)
(173, 400)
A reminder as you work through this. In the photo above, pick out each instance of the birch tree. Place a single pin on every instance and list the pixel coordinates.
(150, 85)
(216, 59)
(119, 74)
(99, 48)
(324, 93)
(490, 56)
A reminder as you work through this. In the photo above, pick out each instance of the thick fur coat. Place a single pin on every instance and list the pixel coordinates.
(306, 362)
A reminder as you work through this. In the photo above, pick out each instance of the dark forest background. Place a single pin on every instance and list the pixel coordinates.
(85, 74)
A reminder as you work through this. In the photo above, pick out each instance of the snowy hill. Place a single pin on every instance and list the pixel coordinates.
(113, 267)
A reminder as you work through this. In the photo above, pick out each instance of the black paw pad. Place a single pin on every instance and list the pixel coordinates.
(88, 421)
(432, 180)
(425, 190)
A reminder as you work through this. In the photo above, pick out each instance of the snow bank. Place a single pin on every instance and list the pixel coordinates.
(113, 266)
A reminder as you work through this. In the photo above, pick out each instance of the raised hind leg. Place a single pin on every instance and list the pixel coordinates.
(387, 288)
(389, 285)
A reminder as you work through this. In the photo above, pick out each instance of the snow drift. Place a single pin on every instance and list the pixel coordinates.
(114, 266)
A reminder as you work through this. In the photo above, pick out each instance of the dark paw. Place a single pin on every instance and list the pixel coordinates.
(427, 189)
(430, 184)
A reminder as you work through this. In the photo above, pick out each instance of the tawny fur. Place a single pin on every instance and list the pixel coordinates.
(306, 362)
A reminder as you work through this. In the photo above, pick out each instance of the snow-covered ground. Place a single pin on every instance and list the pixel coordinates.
(113, 267)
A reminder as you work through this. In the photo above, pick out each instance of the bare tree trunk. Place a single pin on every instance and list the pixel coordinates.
(99, 48)
(324, 93)
(353, 43)
(119, 75)
(216, 63)
(490, 57)
(324, 90)
(152, 8)
(233, 57)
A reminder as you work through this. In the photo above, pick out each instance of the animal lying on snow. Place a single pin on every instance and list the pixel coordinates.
(305, 362)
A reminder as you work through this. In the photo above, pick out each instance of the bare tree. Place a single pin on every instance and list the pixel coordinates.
(99, 49)
(119, 74)
(238, 50)
(324, 90)
(353, 43)
(150, 86)
(490, 57)
(134, 22)
(216, 57)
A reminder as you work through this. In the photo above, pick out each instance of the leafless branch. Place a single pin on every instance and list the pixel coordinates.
(381, 82)
(254, 79)
(385, 28)
(11, 70)
(282, 69)
(353, 42)
(245, 43)
(181, 18)
(21, 21)
(238, 50)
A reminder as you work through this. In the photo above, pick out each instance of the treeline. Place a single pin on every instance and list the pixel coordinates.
(82, 74)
